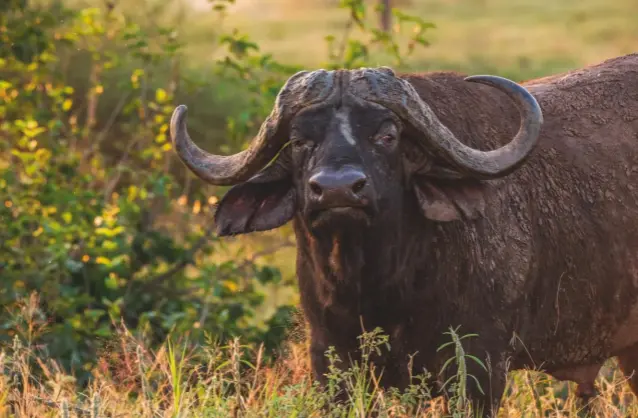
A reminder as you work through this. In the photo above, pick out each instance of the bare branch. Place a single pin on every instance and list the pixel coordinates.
(180, 265)
(107, 127)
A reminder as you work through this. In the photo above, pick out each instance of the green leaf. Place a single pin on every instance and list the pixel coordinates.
(161, 95)
(66, 105)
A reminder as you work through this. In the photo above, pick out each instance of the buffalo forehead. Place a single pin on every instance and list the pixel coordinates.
(364, 82)
(377, 84)
(311, 86)
(351, 121)
(344, 125)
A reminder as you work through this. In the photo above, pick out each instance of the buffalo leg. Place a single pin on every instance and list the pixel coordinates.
(586, 392)
(318, 362)
(628, 362)
(486, 400)
(489, 403)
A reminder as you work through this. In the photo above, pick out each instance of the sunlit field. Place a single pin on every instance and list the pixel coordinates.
(519, 38)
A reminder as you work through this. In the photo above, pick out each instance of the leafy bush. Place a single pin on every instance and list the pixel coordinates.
(95, 224)
(103, 239)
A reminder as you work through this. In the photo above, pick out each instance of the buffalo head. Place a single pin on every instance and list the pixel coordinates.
(339, 147)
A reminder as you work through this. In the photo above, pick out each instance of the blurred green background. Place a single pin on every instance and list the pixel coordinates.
(102, 229)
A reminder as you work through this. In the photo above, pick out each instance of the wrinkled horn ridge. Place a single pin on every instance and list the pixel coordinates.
(302, 89)
(382, 87)
(503, 160)
(219, 169)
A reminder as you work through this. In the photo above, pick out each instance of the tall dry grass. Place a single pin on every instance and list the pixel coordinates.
(179, 380)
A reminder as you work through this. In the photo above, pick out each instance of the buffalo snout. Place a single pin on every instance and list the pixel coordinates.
(346, 187)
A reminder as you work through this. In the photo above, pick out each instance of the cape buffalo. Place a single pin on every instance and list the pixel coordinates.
(414, 210)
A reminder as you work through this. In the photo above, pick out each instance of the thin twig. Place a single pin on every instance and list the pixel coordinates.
(92, 98)
(247, 262)
(107, 127)
(268, 251)
(186, 260)
(537, 400)
(110, 186)
(345, 37)
(77, 409)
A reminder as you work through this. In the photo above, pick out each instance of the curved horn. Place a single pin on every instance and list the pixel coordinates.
(400, 96)
(504, 160)
(301, 90)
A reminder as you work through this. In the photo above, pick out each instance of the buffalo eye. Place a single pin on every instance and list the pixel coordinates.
(387, 134)
(299, 143)
(387, 139)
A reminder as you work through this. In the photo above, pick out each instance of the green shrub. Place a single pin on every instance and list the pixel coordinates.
(100, 223)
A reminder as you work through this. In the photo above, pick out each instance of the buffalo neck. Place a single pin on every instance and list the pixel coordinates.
(364, 272)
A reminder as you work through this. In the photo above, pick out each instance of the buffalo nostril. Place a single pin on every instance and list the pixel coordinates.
(315, 188)
(358, 185)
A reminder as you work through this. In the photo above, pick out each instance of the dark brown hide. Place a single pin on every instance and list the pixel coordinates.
(542, 264)
(547, 276)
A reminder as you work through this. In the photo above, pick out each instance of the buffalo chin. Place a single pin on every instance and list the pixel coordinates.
(339, 217)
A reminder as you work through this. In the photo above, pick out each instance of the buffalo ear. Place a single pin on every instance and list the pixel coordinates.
(255, 206)
(450, 200)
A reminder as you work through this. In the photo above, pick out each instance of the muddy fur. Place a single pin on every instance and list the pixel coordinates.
(542, 264)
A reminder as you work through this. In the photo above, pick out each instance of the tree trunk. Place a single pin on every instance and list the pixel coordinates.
(386, 14)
